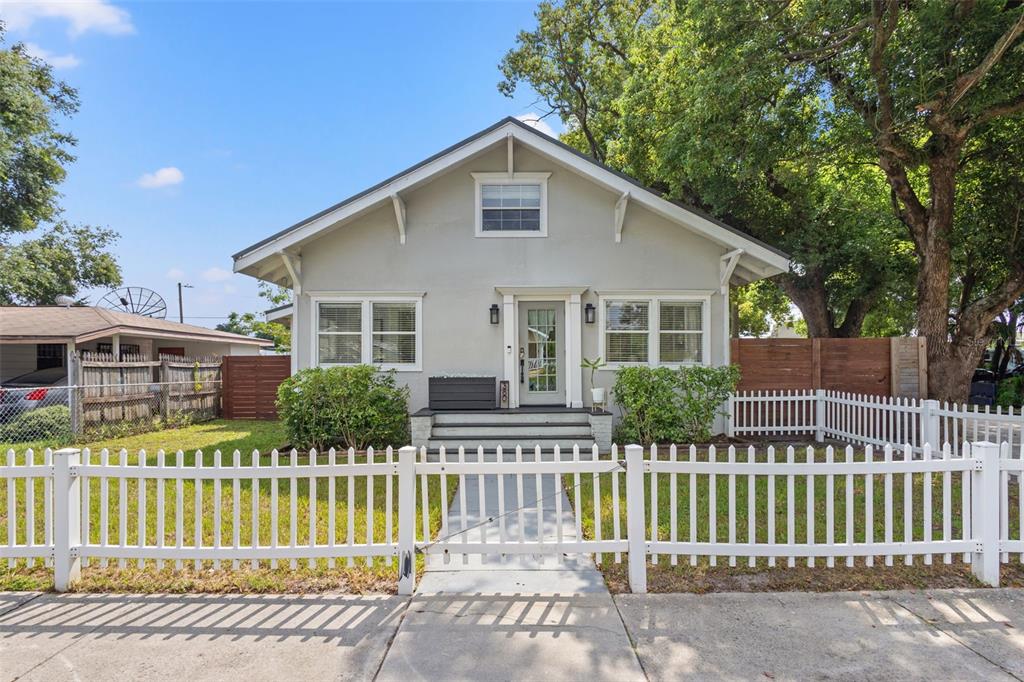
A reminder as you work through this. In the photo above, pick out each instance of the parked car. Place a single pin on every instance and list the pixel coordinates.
(982, 374)
(41, 388)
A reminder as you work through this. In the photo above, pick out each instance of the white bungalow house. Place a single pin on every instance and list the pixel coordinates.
(486, 273)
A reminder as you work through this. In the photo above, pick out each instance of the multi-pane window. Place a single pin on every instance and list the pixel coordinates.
(50, 355)
(368, 332)
(340, 333)
(510, 207)
(394, 333)
(655, 330)
(627, 325)
(680, 332)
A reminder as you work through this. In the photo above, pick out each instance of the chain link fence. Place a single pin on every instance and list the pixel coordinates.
(56, 416)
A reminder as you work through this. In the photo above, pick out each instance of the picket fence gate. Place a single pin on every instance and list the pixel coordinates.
(973, 496)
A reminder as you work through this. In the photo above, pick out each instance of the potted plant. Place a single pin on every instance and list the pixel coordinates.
(597, 393)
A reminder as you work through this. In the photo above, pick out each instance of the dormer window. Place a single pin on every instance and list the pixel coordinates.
(511, 205)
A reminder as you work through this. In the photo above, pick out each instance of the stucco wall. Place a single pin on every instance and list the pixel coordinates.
(459, 272)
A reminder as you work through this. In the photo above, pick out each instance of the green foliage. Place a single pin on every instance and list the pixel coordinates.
(1010, 392)
(664, 405)
(251, 324)
(63, 260)
(357, 407)
(49, 424)
(758, 307)
(33, 152)
(593, 365)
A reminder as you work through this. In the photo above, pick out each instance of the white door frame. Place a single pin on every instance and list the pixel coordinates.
(570, 296)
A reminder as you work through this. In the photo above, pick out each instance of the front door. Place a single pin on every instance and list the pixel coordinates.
(542, 353)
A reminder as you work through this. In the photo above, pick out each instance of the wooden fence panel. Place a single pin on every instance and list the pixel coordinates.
(250, 385)
(884, 367)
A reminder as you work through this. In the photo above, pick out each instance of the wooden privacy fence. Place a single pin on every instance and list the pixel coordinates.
(646, 505)
(133, 389)
(893, 366)
(250, 385)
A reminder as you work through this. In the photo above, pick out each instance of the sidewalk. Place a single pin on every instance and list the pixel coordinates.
(941, 634)
(516, 617)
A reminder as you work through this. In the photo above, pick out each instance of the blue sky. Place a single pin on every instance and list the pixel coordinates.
(205, 127)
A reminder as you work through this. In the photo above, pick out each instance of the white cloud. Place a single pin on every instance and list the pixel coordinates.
(164, 177)
(82, 16)
(536, 122)
(57, 61)
(216, 274)
(230, 289)
(175, 273)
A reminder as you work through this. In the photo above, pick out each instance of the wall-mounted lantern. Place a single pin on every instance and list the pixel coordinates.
(494, 313)
(589, 313)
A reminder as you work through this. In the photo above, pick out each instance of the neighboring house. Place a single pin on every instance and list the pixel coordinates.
(40, 337)
(509, 256)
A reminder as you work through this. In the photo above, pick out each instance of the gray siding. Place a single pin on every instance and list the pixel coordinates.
(459, 272)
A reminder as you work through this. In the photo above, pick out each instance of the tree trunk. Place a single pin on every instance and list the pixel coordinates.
(809, 295)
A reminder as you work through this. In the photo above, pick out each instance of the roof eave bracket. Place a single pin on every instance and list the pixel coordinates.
(620, 215)
(399, 204)
(726, 266)
(293, 264)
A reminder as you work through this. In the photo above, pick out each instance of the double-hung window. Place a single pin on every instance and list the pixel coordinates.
(386, 332)
(663, 329)
(511, 205)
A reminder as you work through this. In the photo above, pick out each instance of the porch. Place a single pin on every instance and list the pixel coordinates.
(526, 426)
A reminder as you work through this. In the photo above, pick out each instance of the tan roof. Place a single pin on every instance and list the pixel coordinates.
(84, 323)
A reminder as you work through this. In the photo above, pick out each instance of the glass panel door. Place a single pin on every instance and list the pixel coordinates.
(542, 351)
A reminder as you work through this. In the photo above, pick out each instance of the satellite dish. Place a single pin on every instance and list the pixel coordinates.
(135, 300)
(65, 301)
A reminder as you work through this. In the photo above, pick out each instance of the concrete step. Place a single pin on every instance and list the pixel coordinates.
(516, 417)
(509, 445)
(512, 431)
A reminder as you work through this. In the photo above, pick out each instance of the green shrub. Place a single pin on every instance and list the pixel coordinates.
(343, 406)
(51, 424)
(1010, 392)
(663, 405)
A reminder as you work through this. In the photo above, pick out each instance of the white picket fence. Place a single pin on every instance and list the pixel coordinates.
(813, 504)
(871, 420)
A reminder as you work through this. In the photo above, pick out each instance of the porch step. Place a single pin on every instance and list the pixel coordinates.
(509, 445)
(572, 430)
(514, 417)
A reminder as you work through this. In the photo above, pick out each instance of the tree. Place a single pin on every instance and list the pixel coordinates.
(931, 93)
(628, 78)
(759, 307)
(33, 152)
(250, 324)
(62, 261)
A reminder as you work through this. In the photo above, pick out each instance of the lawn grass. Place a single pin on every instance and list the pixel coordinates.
(219, 434)
(366, 498)
(732, 573)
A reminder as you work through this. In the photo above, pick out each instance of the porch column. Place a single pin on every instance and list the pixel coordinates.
(574, 352)
(115, 346)
(508, 327)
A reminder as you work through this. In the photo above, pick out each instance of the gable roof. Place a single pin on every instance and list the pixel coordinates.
(759, 258)
(85, 323)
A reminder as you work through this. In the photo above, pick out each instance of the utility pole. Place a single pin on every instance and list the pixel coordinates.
(181, 311)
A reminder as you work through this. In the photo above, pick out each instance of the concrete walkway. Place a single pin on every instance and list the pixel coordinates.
(514, 617)
(941, 634)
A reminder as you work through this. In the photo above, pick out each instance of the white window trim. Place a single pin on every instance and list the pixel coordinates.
(513, 179)
(654, 327)
(366, 330)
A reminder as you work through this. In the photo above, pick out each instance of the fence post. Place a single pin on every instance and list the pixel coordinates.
(730, 416)
(930, 424)
(985, 503)
(819, 415)
(406, 519)
(635, 517)
(67, 518)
